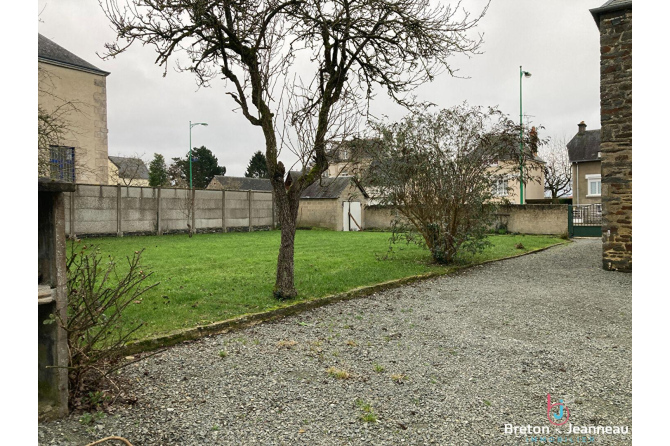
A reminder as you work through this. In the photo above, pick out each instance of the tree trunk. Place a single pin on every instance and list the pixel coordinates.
(284, 285)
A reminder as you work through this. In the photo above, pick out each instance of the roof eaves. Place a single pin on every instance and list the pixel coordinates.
(72, 66)
(586, 160)
(609, 7)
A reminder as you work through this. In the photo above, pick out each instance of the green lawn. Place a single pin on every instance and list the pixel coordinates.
(213, 277)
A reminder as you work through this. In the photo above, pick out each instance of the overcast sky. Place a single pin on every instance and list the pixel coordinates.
(556, 40)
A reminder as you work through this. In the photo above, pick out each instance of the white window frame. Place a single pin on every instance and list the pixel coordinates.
(504, 182)
(593, 179)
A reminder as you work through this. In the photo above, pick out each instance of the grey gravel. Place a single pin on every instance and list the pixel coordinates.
(472, 351)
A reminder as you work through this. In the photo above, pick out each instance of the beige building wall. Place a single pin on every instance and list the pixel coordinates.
(87, 124)
(351, 168)
(533, 189)
(580, 184)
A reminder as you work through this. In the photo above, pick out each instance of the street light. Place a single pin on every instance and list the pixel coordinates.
(190, 159)
(522, 74)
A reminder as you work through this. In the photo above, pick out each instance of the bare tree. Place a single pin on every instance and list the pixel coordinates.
(295, 66)
(557, 170)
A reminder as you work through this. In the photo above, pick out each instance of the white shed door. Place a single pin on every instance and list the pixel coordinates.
(351, 216)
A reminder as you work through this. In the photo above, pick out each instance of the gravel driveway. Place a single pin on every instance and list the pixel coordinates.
(448, 361)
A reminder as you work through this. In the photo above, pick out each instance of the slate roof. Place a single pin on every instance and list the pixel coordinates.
(329, 188)
(50, 52)
(584, 146)
(608, 6)
(244, 183)
(133, 168)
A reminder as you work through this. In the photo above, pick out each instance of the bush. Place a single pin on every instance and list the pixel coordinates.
(441, 172)
(97, 296)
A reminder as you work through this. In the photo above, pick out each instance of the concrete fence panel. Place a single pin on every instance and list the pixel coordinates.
(95, 210)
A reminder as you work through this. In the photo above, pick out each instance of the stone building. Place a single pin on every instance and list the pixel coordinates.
(75, 92)
(584, 154)
(333, 203)
(615, 22)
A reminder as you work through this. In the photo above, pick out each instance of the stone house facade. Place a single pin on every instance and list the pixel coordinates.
(76, 91)
(615, 23)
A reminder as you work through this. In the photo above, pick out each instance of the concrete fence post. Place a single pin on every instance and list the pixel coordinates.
(159, 231)
(223, 211)
(73, 235)
(251, 225)
(274, 224)
(119, 232)
(193, 230)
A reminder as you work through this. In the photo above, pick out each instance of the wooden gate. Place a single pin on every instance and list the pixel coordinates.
(585, 220)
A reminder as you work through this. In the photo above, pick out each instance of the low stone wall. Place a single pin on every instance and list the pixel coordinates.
(524, 219)
(534, 218)
(378, 217)
(95, 210)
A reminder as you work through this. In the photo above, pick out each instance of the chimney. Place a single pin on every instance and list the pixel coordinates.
(582, 127)
(534, 140)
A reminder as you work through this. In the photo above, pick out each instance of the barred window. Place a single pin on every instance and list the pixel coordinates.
(61, 163)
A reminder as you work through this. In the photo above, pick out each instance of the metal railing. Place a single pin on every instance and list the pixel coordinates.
(587, 215)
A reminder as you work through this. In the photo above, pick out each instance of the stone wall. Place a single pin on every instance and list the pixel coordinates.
(95, 210)
(535, 218)
(524, 219)
(616, 117)
(378, 217)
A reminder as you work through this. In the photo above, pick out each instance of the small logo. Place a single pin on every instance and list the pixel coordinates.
(563, 412)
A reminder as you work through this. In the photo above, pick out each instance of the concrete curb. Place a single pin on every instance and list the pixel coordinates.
(241, 322)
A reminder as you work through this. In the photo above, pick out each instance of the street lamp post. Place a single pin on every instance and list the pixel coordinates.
(190, 159)
(521, 76)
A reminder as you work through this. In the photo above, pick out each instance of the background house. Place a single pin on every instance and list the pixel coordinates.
(507, 165)
(584, 154)
(127, 171)
(351, 158)
(75, 92)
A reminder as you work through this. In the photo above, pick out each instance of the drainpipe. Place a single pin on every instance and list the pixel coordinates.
(577, 182)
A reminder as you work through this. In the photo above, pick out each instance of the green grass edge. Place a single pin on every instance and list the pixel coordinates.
(248, 320)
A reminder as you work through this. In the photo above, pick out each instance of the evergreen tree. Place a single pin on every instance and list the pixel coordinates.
(257, 167)
(158, 174)
(205, 166)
